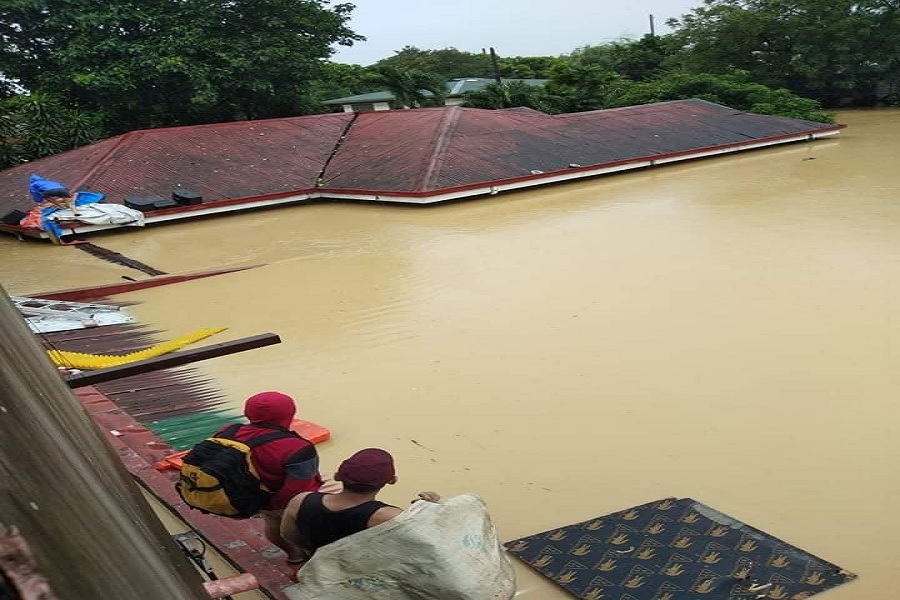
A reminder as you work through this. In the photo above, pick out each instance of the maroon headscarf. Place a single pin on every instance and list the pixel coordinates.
(372, 467)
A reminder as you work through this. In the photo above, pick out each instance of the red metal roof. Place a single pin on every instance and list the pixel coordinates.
(410, 153)
(226, 160)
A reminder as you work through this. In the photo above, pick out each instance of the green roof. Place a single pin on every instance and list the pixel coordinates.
(455, 88)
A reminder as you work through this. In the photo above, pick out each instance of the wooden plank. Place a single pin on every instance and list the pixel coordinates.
(173, 359)
(112, 289)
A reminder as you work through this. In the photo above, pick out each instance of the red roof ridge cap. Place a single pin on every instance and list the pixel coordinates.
(441, 139)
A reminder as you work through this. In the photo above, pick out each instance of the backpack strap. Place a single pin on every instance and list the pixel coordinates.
(290, 432)
(228, 432)
(269, 437)
(271, 426)
(278, 434)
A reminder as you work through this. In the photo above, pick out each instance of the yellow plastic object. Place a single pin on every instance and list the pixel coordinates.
(79, 360)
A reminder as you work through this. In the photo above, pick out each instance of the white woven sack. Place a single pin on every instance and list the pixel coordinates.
(444, 551)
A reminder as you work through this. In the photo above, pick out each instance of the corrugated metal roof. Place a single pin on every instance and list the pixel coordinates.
(227, 160)
(412, 152)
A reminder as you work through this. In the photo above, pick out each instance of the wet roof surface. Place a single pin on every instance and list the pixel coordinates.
(402, 151)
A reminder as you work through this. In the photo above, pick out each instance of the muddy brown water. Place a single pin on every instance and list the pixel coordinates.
(723, 329)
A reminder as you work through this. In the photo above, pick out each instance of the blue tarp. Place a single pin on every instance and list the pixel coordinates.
(81, 198)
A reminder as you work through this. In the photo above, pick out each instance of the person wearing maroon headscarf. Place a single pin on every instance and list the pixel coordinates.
(287, 466)
(314, 519)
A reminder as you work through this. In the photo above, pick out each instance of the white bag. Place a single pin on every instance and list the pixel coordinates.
(445, 551)
(100, 214)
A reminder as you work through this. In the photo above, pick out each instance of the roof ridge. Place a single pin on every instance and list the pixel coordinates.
(441, 140)
(323, 172)
(103, 159)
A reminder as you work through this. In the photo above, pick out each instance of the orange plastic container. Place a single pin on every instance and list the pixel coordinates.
(314, 433)
(311, 431)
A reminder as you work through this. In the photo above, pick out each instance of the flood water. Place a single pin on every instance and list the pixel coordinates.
(723, 329)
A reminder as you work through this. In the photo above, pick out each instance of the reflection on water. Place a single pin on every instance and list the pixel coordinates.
(723, 329)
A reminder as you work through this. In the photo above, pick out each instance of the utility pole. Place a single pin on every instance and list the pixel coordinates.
(652, 27)
(66, 492)
(495, 67)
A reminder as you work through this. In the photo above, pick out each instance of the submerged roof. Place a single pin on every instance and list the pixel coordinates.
(420, 155)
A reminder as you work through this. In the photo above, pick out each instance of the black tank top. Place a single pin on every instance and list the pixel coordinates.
(321, 526)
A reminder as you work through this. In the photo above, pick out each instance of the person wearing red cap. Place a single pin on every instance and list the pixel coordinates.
(286, 466)
(314, 519)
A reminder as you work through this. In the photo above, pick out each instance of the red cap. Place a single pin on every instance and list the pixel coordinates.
(270, 407)
(372, 467)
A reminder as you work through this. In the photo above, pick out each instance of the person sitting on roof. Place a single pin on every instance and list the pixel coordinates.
(315, 519)
(53, 192)
(287, 466)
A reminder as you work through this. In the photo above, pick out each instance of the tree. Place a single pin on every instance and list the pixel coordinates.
(507, 95)
(339, 79)
(412, 88)
(639, 60)
(831, 50)
(578, 88)
(528, 67)
(735, 90)
(448, 63)
(36, 125)
(169, 62)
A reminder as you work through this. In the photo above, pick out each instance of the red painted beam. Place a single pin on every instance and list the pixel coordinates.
(111, 289)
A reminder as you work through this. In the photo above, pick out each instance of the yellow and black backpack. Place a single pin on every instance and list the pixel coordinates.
(219, 477)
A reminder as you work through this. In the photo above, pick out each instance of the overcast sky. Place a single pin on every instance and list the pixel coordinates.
(512, 27)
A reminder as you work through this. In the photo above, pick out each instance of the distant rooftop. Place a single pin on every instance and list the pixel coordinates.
(455, 88)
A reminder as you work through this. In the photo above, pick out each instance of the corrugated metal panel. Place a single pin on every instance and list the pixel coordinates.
(388, 150)
(232, 160)
(228, 160)
(67, 167)
(412, 151)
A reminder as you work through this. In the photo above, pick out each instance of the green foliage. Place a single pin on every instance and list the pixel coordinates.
(578, 87)
(448, 63)
(508, 95)
(528, 67)
(412, 88)
(831, 50)
(338, 79)
(37, 125)
(170, 62)
(639, 60)
(451, 63)
(734, 90)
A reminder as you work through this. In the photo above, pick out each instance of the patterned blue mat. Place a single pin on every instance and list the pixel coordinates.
(674, 550)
